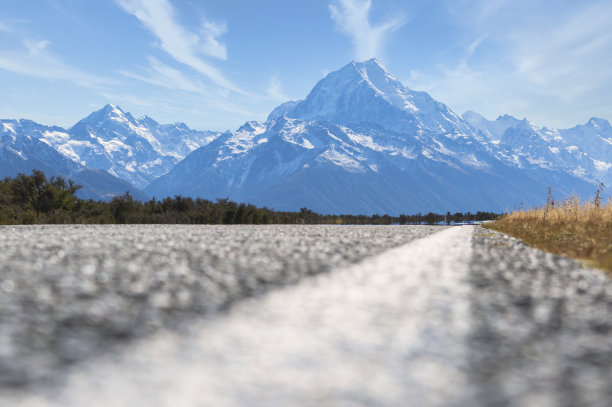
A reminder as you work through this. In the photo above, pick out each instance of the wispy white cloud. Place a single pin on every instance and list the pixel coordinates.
(352, 17)
(184, 46)
(183, 87)
(36, 47)
(211, 45)
(160, 74)
(570, 57)
(551, 65)
(168, 106)
(4, 28)
(275, 89)
(36, 60)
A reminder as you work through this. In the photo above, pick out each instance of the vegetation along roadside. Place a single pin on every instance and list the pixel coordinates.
(36, 199)
(582, 230)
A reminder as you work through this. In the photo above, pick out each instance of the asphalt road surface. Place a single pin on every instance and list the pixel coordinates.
(297, 315)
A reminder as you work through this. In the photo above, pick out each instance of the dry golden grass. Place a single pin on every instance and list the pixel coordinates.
(582, 230)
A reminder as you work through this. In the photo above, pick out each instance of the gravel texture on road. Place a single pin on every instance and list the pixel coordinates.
(360, 335)
(456, 316)
(542, 327)
(69, 292)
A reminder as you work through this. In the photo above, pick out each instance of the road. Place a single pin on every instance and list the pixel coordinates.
(297, 315)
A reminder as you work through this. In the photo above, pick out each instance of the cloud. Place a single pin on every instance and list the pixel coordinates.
(181, 92)
(275, 89)
(35, 60)
(212, 46)
(352, 17)
(160, 74)
(168, 104)
(551, 65)
(4, 28)
(184, 46)
(569, 57)
(36, 47)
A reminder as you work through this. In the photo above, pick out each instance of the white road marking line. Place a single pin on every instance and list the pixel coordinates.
(388, 331)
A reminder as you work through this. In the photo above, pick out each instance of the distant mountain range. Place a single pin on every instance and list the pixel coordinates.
(584, 150)
(109, 152)
(360, 142)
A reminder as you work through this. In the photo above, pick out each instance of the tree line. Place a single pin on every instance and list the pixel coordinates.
(38, 199)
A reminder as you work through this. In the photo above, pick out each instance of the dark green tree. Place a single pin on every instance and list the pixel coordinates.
(43, 195)
(124, 207)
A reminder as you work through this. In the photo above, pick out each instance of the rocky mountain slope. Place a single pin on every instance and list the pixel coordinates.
(584, 150)
(135, 150)
(23, 149)
(109, 152)
(361, 142)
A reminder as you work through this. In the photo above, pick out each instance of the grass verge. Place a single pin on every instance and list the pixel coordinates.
(582, 230)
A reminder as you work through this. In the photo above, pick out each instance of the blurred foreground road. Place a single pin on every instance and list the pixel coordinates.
(297, 315)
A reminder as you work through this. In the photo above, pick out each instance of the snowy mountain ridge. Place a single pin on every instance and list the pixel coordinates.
(136, 150)
(361, 142)
(23, 149)
(108, 143)
(366, 91)
(584, 150)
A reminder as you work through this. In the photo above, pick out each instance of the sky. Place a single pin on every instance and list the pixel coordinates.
(216, 64)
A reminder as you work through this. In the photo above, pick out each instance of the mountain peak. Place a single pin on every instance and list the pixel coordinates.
(371, 63)
(598, 122)
(366, 92)
(507, 117)
(375, 63)
(495, 129)
(373, 72)
(110, 108)
(108, 112)
(472, 116)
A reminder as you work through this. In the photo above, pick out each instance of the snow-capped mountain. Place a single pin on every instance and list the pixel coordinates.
(367, 92)
(584, 150)
(23, 149)
(595, 139)
(135, 150)
(361, 142)
(109, 152)
(494, 129)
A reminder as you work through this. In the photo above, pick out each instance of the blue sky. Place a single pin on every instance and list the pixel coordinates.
(216, 64)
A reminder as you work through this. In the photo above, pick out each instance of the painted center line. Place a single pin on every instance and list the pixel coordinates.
(389, 329)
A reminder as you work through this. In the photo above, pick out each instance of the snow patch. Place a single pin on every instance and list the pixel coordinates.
(472, 161)
(572, 149)
(151, 164)
(602, 166)
(537, 161)
(307, 144)
(8, 127)
(342, 160)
